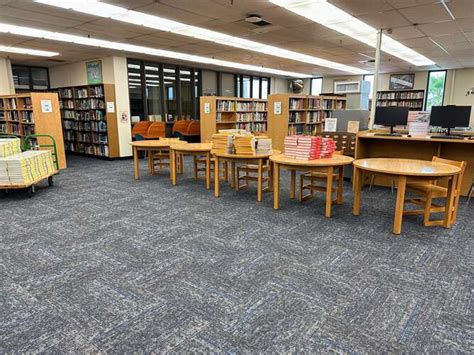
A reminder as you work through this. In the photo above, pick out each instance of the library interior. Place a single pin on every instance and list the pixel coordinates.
(236, 176)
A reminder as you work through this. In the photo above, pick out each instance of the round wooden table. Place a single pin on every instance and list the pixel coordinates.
(404, 170)
(191, 149)
(292, 164)
(151, 146)
(257, 159)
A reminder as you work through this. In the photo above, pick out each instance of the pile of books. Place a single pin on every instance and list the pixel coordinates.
(25, 168)
(309, 147)
(263, 145)
(9, 146)
(244, 145)
(223, 143)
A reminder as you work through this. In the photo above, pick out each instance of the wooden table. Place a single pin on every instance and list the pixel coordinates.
(191, 149)
(404, 170)
(282, 161)
(150, 146)
(241, 158)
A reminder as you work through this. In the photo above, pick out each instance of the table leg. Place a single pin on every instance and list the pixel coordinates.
(195, 162)
(226, 170)
(448, 208)
(270, 175)
(259, 180)
(276, 186)
(151, 164)
(208, 171)
(173, 166)
(181, 163)
(136, 167)
(232, 172)
(292, 183)
(216, 176)
(329, 172)
(357, 186)
(397, 222)
(340, 185)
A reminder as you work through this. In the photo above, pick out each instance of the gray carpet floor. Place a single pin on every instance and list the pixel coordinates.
(103, 263)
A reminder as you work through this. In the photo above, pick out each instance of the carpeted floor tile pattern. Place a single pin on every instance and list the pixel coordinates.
(103, 263)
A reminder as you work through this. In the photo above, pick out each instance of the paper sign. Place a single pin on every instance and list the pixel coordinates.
(46, 106)
(124, 117)
(277, 108)
(352, 126)
(110, 107)
(207, 107)
(330, 125)
(418, 129)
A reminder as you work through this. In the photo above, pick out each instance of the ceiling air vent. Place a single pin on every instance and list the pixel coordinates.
(56, 60)
(256, 20)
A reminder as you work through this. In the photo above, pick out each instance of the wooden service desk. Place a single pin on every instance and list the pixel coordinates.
(404, 171)
(198, 149)
(423, 148)
(150, 146)
(292, 164)
(256, 159)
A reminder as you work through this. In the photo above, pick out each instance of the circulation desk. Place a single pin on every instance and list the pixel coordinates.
(370, 146)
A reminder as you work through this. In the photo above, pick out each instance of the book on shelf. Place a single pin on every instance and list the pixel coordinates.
(226, 105)
(296, 104)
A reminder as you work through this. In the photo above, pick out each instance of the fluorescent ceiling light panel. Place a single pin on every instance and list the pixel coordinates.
(97, 8)
(63, 37)
(328, 15)
(18, 50)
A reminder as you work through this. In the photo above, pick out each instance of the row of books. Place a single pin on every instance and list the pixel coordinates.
(96, 126)
(101, 150)
(81, 137)
(17, 103)
(296, 104)
(309, 147)
(3, 128)
(64, 104)
(401, 95)
(65, 93)
(81, 93)
(226, 105)
(317, 116)
(92, 115)
(411, 104)
(252, 126)
(91, 104)
(297, 117)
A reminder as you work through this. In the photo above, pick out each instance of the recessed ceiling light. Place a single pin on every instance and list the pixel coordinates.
(97, 8)
(64, 37)
(328, 15)
(9, 49)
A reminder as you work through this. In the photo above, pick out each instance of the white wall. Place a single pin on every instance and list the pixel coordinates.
(114, 71)
(208, 82)
(6, 79)
(463, 79)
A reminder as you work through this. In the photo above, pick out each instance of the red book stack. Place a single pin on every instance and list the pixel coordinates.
(290, 146)
(327, 148)
(308, 147)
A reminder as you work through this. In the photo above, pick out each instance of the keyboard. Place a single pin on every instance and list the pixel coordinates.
(388, 134)
(448, 137)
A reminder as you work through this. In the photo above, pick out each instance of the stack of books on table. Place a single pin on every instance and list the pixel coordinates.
(244, 145)
(290, 145)
(308, 148)
(263, 145)
(27, 167)
(9, 146)
(223, 143)
(327, 148)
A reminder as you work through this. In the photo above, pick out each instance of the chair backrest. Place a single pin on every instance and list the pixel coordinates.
(156, 130)
(139, 137)
(194, 128)
(141, 128)
(180, 126)
(459, 164)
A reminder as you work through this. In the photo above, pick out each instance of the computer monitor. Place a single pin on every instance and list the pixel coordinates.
(450, 116)
(391, 116)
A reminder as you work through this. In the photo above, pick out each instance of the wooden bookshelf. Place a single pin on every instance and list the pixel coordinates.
(89, 127)
(401, 98)
(22, 115)
(232, 113)
(300, 114)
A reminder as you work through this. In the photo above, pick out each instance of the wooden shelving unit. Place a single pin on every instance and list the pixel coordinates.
(401, 98)
(299, 114)
(232, 113)
(89, 127)
(22, 115)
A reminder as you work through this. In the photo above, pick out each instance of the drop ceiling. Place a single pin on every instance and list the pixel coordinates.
(423, 25)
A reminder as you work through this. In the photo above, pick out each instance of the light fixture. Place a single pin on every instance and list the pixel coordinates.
(331, 16)
(28, 51)
(63, 37)
(448, 10)
(97, 8)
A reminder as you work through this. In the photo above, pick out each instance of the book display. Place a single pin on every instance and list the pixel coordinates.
(90, 120)
(218, 113)
(403, 98)
(309, 147)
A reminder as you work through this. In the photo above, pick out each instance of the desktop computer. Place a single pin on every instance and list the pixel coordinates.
(391, 116)
(450, 116)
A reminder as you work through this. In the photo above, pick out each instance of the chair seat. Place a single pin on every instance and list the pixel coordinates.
(317, 174)
(423, 187)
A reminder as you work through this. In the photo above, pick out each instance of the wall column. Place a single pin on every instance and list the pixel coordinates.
(6, 78)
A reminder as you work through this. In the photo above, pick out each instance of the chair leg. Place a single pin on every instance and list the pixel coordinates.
(195, 162)
(372, 179)
(226, 171)
(427, 209)
(469, 195)
(300, 195)
(393, 186)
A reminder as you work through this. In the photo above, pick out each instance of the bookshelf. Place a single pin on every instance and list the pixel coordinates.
(232, 113)
(401, 98)
(89, 127)
(23, 114)
(299, 114)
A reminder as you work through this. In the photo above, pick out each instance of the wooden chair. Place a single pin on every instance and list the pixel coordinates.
(200, 167)
(156, 130)
(161, 158)
(141, 128)
(180, 126)
(251, 171)
(317, 180)
(430, 190)
(194, 128)
(471, 191)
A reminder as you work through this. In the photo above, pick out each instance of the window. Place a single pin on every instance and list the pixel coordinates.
(435, 89)
(135, 90)
(153, 89)
(370, 79)
(265, 88)
(186, 93)
(246, 87)
(316, 86)
(27, 78)
(255, 87)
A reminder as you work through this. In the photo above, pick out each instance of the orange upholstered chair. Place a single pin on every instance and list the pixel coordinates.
(141, 128)
(180, 126)
(156, 130)
(194, 128)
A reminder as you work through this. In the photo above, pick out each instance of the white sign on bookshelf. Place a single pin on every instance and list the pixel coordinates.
(46, 106)
(277, 108)
(110, 107)
(207, 107)
(330, 125)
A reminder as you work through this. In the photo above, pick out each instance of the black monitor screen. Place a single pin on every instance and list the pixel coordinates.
(450, 116)
(391, 116)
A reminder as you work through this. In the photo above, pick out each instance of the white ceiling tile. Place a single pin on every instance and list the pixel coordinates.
(361, 7)
(407, 32)
(398, 4)
(462, 8)
(426, 13)
(440, 28)
(466, 24)
(387, 19)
